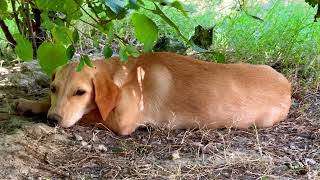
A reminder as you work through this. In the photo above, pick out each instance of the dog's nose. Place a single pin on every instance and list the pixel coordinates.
(54, 119)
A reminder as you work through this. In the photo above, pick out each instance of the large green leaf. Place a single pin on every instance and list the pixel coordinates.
(180, 7)
(51, 5)
(71, 8)
(50, 56)
(24, 49)
(62, 35)
(146, 31)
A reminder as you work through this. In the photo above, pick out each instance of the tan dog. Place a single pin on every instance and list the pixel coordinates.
(166, 90)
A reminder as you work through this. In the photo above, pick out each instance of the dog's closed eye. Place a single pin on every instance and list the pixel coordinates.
(80, 92)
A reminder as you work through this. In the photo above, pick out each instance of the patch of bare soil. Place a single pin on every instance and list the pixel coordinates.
(31, 149)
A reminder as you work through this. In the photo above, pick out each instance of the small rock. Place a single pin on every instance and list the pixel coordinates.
(78, 137)
(310, 161)
(199, 144)
(61, 138)
(83, 143)
(95, 138)
(41, 79)
(175, 155)
(102, 147)
(3, 71)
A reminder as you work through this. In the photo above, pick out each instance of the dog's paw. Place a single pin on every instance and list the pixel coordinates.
(23, 107)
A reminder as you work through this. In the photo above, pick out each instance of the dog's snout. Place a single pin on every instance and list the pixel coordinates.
(54, 119)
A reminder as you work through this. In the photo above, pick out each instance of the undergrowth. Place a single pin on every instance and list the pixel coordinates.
(284, 34)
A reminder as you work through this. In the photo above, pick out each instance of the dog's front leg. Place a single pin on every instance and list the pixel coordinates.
(24, 106)
(120, 124)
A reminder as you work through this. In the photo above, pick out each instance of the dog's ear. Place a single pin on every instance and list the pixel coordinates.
(106, 94)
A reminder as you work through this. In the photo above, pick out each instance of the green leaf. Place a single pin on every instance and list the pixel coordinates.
(108, 30)
(87, 60)
(46, 22)
(159, 12)
(219, 57)
(70, 51)
(24, 49)
(75, 36)
(180, 7)
(3, 9)
(146, 31)
(107, 52)
(123, 54)
(96, 43)
(62, 35)
(50, 5)
(80, 65)
(72, 8)
(50, 56)
(133, 4)
(116, 6)
(132, 51)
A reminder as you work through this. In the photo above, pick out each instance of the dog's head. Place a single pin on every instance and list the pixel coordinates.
(74, 94)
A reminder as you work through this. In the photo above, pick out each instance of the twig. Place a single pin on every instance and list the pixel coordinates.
(31, 33)
(15, 15)
(257, 138)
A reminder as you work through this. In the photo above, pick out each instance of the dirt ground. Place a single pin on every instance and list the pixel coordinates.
(29, 149)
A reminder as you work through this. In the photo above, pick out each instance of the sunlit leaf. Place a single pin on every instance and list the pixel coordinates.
(146, 31)
(24, 49)
(50, 56)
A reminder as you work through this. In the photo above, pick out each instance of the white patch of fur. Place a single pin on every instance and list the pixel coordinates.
(119, 77)
(140, 76)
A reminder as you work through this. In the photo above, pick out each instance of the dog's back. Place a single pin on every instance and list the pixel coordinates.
(181, 92)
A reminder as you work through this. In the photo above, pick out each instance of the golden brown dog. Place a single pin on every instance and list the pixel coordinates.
(166, 90)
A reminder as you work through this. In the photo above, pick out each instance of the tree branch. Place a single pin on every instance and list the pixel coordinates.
(7, 33)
